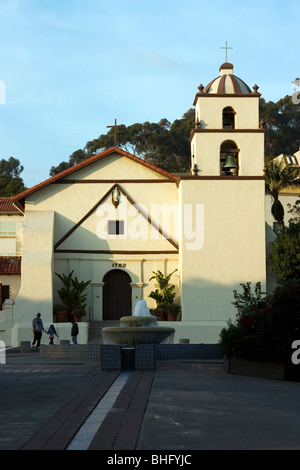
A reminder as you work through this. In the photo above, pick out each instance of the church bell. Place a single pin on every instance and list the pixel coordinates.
(229, 164)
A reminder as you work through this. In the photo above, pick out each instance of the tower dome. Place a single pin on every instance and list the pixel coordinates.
(227, 84)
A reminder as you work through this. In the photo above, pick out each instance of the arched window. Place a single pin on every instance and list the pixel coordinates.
(228, 118)
(229, 162)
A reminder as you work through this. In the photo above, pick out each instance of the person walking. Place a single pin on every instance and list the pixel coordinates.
(37, 329)
(51, 332)
(74, 331)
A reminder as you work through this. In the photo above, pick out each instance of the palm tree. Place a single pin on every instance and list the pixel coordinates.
(279, 176)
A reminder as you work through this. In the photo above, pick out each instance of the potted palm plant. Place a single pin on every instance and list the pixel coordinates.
(164, 296)
(72, 295)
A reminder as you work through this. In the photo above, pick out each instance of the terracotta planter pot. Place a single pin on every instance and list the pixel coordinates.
(76, 318)
(61, 316)
(172, 316)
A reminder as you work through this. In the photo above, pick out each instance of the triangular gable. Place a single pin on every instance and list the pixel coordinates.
(171, 247)
(20, 198)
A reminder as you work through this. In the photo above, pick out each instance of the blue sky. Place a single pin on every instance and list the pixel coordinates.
(70, 67)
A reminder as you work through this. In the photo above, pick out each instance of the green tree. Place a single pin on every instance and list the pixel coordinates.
(163, 144)
(294, 211)
(10, 181)
(167, 145)
(54, 170)
(282, 126)
(13, 187)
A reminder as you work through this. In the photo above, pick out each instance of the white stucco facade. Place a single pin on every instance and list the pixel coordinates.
(208, 226)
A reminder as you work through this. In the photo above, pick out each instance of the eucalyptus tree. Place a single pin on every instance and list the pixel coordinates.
(11, 182)
(163, 144)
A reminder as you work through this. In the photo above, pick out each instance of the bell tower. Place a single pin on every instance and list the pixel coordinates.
(224, 245)
(228, 139)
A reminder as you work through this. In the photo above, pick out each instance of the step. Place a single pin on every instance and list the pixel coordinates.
(95, 327)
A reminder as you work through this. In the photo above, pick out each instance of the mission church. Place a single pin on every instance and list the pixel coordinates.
(114, 219)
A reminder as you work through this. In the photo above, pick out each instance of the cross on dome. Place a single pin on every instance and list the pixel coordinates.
(226, 47)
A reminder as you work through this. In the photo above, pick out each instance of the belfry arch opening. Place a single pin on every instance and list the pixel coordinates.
(228, 118)
(229, 158)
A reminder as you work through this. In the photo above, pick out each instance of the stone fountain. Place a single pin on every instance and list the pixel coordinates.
(140, 328)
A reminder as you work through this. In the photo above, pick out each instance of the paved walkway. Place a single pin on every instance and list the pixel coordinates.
(181, 406)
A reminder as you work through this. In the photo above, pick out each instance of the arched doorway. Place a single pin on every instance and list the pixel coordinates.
(116, 295)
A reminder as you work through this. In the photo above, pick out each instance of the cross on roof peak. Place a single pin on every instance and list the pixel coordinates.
(115, 126)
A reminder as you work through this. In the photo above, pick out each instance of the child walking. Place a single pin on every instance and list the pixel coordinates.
(51, 332)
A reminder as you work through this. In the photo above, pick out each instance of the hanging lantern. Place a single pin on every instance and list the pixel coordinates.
(116, 195)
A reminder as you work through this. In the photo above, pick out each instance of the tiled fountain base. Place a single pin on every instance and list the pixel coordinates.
(141, 357)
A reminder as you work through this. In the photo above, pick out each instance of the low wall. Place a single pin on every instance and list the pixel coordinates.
(12, 333)
(87, 352)
(266, 370)
(196, 331)
(141, 357)
(23, 332)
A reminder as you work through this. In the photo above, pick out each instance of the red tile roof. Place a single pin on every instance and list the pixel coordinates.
(86, 162)
(10, 264)
(6, 205)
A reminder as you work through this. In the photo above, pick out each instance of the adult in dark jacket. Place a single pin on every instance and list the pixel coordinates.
(37, 329)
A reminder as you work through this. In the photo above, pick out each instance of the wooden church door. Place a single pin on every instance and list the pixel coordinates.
(116, 295)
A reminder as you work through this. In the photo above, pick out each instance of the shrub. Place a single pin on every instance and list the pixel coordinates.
(285, 255)
(266, 330)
